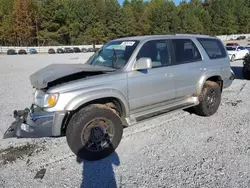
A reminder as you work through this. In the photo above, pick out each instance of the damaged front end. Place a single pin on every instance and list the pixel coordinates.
(38, 121)
(34, 123)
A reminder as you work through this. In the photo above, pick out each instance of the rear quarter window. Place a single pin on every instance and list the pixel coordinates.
(213, 47)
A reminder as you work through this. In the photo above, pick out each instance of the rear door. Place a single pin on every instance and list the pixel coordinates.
(188, 66)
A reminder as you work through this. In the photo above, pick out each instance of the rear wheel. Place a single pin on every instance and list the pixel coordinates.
(209, 99)
(233, 58)
(94, 132)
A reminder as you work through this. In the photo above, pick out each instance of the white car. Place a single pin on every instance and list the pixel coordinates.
(237, 52)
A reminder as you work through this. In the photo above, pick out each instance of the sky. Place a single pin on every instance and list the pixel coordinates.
(176, 1)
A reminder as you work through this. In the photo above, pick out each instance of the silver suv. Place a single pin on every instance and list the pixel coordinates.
(127, 81)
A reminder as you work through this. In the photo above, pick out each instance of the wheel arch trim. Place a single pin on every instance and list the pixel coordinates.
(84, 98)
(203, 79)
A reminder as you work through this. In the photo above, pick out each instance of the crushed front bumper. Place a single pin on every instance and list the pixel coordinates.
(35, 123)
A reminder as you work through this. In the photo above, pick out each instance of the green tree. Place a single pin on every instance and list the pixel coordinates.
(6, 22)
(157, 16)
(189, 14)
(54, 22)
(242, 16)
(52, 17)
(128, 20)
(223, 17)
(113, 19)
(95, 34)
(140, 15)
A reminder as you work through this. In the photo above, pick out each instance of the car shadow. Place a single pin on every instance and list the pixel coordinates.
(238, 72)
(99, 173)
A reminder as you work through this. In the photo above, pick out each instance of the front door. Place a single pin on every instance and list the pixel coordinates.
(152, 86)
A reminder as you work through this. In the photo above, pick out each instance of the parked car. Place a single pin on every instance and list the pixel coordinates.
(90, 49)
(241, 38)
(32, 51)
(84, 50)
(68, 50)
(237, 52)
(11, 52)
(22, 52)
(51, 51)
(91, 103)
(76, 50)
(60, 51)
(232, 44)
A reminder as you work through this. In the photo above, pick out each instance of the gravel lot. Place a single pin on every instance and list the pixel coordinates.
(174, 150)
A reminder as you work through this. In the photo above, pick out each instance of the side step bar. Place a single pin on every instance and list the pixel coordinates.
(163, 112)
(160, 111)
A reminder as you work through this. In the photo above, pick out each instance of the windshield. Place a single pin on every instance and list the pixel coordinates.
(231, 48)
(114, 54)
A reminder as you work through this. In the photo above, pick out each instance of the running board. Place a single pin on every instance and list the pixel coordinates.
(162, 110)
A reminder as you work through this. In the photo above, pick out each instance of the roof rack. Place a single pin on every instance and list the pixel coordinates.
(183, 34)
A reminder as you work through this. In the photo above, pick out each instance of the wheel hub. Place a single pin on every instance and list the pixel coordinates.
(97, 134)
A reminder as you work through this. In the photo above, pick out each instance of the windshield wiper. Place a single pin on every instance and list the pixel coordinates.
(114, 59)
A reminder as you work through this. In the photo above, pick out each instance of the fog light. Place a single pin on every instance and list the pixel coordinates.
(26, 128)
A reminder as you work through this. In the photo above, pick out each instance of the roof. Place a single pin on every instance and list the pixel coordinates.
(146, 37)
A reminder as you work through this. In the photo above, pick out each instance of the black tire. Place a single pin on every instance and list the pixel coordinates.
(209, 99)
(78, 129)
(233, 58)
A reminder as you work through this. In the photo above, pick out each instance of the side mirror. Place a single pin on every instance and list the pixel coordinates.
(143, 63)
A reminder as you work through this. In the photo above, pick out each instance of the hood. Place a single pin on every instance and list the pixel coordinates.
(60, 73)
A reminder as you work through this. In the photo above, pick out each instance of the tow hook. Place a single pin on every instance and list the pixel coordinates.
(21, 113)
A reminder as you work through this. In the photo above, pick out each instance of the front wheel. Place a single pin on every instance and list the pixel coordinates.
(94, 132)
(209, 99)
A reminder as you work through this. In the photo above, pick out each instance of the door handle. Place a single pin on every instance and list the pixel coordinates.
(169, 74)
(203, 69)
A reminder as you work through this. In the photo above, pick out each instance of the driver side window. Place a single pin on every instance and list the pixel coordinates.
(158, 51)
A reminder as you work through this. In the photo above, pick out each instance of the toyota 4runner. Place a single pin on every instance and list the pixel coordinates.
(127, 81)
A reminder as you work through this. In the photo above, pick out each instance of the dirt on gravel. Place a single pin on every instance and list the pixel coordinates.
(12, 153)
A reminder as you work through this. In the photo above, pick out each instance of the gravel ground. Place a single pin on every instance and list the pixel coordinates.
(174, 150)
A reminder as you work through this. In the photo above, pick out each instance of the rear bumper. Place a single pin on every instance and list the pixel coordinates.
(35, 123)
(228, 81)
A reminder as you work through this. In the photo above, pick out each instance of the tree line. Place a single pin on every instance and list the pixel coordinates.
(68, 22)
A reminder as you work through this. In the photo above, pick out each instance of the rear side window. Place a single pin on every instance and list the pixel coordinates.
(185, 51)
(213, 47)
